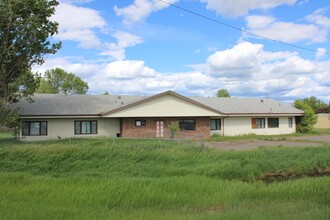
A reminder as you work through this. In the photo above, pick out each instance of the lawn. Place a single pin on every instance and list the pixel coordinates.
(149, 179)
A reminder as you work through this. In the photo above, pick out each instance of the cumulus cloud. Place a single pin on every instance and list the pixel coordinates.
(244, 70)
(239, 61)
(323, 73)
(250, 60)
(248, 69)
(140, 10)
(79, 24)
(128, 69)
(268, 27)
(124, 40)
(291, 66)
(242, 7)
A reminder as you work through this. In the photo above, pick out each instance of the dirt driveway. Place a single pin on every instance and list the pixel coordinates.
(305, 141)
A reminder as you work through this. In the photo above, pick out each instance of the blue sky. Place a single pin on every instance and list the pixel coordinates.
(146, 47)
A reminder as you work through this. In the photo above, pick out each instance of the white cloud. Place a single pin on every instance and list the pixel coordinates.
(259, 22)
(319, 18)
(320, 53)
(281, 75)
(268, 27)
(242, 7)
(250, 60)
(323, 73)
(60, 62)
(239, 61)
(292, 65)
(246, 69)
(128, 69)
(79, 24)
(124, 40)
(140, 10)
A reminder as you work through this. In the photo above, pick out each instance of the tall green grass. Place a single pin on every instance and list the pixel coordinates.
(149, 179)
(25, 196)
(101, 157)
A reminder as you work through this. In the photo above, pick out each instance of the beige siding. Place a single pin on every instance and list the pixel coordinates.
(243, 125)
(64, 128)
(323, 121)
(164, 106)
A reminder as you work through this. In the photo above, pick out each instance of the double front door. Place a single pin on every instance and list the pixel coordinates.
(159, 129)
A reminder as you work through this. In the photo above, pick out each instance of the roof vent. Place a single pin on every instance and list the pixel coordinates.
(261, 100)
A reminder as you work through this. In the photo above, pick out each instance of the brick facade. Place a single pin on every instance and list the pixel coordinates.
(128, 128)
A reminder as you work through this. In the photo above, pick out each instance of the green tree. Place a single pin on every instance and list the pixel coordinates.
(326, 109)
(223, 93)
(306, 122)
(58, 81)
(316, 104)
(25, 29)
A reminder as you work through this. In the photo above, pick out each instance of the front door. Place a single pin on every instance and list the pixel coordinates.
(159, 129)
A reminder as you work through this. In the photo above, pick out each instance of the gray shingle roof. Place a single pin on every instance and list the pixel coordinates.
(60, 104)
(70, 105)
(247, 105)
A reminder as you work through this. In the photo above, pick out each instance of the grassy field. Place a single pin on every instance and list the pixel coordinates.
(134, 179)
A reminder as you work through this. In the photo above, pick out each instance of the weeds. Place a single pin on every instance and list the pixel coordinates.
(133, 179)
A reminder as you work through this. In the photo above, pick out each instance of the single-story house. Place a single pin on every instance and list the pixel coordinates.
(52, 116)
(323, 120)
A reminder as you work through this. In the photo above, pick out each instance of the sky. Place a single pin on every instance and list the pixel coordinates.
(271, 49)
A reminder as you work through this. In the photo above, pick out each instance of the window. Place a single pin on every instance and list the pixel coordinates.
(290, 122)
(273, 122)
(187, 124)
(215, 124)
(140, 123)
(34, 128)
(258, 123)
(85, 127)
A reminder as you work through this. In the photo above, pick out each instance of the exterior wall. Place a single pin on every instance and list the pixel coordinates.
(164, 106)
(149, 131)
(243, 125)
(64, 128)
(323, 121)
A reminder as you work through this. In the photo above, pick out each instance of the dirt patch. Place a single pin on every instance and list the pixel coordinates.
(283, 176)
(305, 141)
(319, 138)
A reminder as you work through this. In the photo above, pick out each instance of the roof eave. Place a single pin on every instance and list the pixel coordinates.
(61, 116)
(265, 114)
